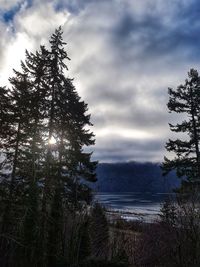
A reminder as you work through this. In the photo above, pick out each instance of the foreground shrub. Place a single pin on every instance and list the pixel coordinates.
(175, 240)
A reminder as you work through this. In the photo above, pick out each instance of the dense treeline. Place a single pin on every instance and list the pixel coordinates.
(134, 177)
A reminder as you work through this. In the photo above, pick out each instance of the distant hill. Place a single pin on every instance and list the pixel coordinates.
(134, 177)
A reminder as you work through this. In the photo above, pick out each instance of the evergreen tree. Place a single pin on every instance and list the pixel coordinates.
(35, 67)
(185, 100)
(25, 153)
(5, 128)
(4, 115)
(46, 178)
(14, 148)
(67, 164)
(23, 146)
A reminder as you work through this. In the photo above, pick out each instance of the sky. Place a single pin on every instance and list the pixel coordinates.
(124, 56)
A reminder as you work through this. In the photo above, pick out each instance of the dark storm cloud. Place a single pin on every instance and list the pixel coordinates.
(116, 149)
(158, 38)
(111, 95)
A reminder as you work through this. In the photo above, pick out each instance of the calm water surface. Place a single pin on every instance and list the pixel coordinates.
(141, 205)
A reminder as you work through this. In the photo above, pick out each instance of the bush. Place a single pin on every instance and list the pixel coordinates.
(175, 240)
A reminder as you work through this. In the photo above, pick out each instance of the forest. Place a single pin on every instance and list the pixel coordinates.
(48, 216)
(132, 176)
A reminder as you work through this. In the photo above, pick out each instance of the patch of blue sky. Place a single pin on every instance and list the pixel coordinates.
(9, 15)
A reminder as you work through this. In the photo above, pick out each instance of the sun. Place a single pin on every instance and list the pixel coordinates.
(52, 141)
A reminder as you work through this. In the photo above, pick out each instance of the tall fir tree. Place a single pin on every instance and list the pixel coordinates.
(46, 177)
(67, 121)
(15, 150)
(185, 100)
(5, 122)
(25, 146)
(35, 67)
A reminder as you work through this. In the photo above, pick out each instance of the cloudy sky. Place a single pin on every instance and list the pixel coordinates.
(124, 55)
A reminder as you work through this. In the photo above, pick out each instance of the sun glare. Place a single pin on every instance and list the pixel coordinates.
(52, 141)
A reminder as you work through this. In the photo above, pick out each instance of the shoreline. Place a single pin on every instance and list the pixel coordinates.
(116, 214)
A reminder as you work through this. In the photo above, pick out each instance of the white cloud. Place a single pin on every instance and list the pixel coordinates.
(40, 20)
(30, 28)
(7, 4)
(124, 56)
(14, 50)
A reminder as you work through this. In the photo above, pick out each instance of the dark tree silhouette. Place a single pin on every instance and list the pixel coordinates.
(46, 178)
(185, 100)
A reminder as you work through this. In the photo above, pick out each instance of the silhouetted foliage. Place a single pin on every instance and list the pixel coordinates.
(186, 100)
(42, 180)
(99, 232)
(175, 240)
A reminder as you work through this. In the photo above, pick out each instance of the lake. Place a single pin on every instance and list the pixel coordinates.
(134, 206)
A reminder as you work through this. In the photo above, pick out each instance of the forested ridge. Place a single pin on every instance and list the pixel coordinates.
(134, 177)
